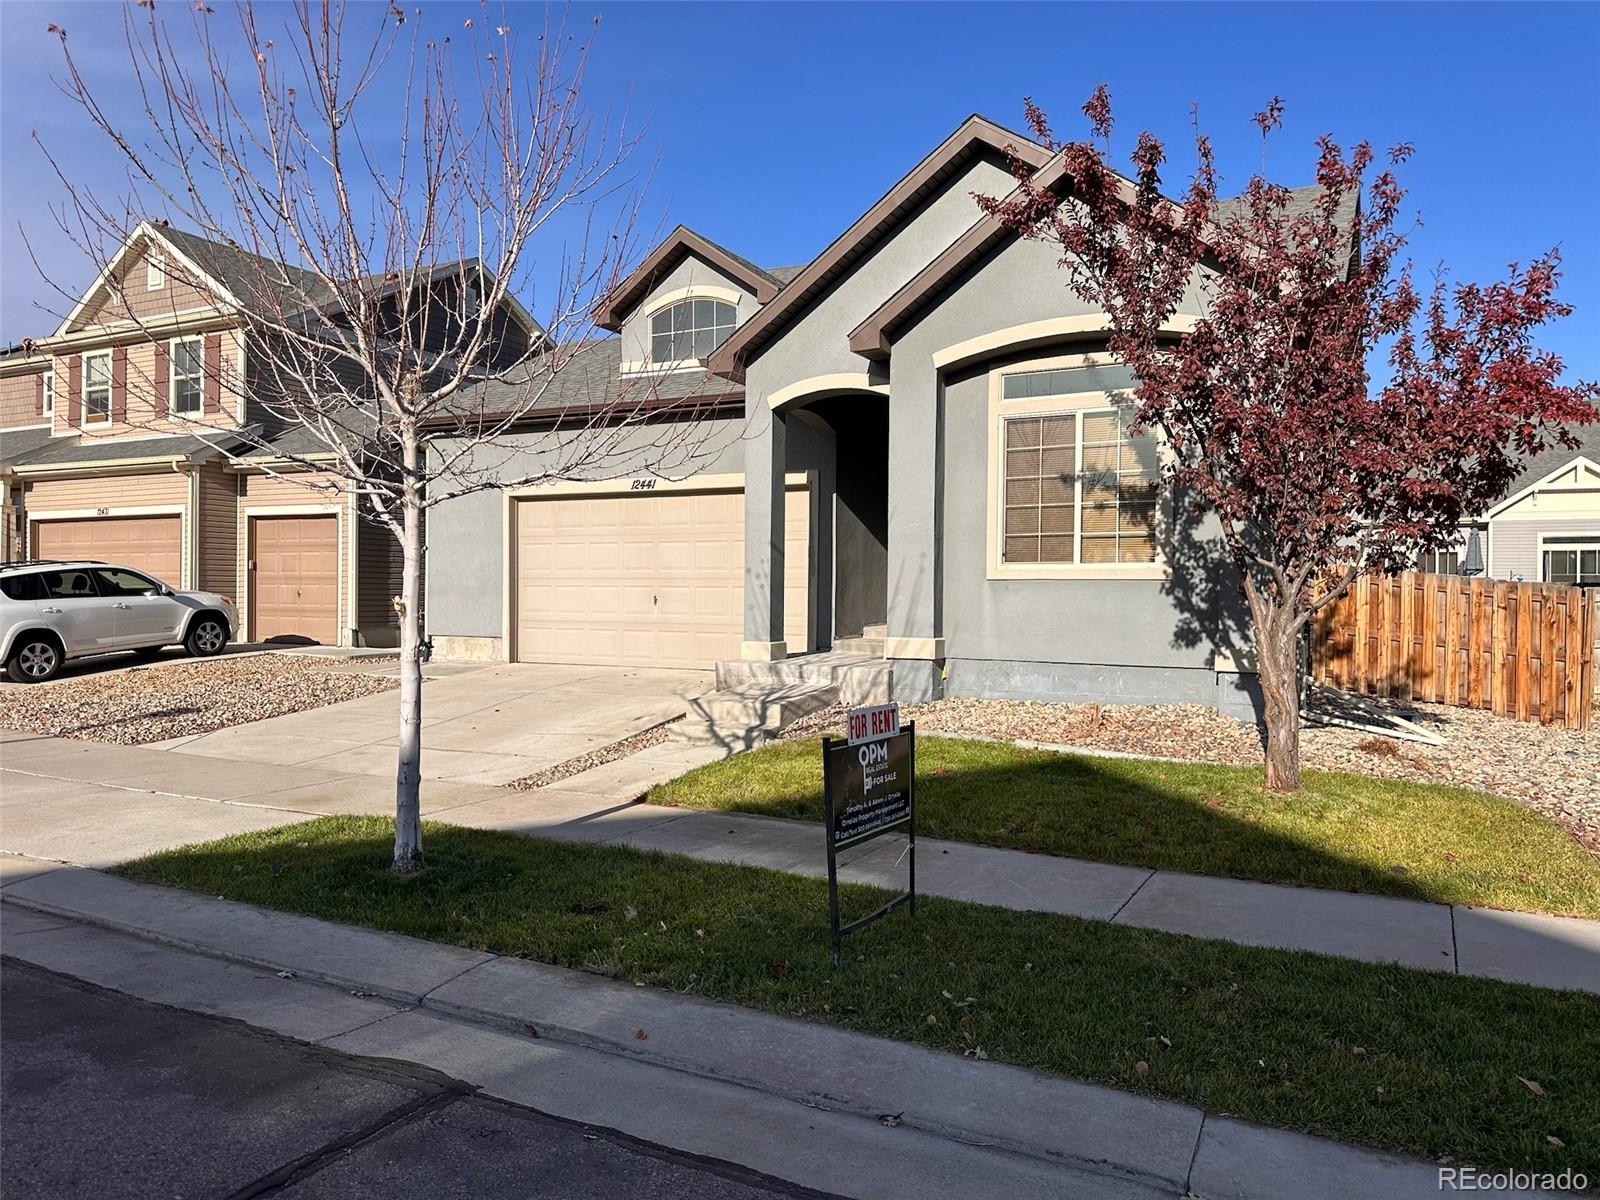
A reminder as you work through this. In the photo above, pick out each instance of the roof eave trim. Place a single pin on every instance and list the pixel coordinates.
(728, 360)
(622, 299)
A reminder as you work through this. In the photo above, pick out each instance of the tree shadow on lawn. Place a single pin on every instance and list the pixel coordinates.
(1342, 832)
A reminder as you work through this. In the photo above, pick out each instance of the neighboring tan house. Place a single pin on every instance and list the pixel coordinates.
(120, 439)
(1547, 529)
(914, 445)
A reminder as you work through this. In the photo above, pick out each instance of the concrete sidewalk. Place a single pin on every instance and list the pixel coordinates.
(793, 1100)
(97, 805)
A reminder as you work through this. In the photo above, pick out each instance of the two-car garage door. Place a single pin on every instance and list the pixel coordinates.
(645, 579)
(153, 545)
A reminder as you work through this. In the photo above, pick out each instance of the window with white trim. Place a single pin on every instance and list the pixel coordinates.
(1570, 560)
(690, 329)
(97, 386)
(48, 391)
(188, 376)
(1076, 484)
(1440, 562)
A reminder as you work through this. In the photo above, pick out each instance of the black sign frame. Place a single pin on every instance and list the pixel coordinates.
(834, 761)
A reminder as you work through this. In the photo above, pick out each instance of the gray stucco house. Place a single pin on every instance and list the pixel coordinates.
(914, 441)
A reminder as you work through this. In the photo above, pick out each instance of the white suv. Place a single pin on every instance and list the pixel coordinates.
(52, 612)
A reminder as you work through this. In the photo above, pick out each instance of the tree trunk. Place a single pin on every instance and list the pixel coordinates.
(1277, 634)
(408, 770)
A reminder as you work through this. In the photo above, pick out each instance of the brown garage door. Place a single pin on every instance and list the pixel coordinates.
(645, 580)
(150, 544)
(294, 579)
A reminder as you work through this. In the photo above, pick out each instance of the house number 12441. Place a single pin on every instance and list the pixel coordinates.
(643, 485)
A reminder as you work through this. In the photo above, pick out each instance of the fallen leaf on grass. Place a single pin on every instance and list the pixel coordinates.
(1166, 1041)
(1555, 1141)
(1531, 1085)
(1142, 1067)
(629, 913)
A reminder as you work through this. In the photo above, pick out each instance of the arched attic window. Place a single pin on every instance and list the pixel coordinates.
(690, 329)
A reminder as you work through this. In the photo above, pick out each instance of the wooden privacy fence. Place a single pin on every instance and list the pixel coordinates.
(1523, 650)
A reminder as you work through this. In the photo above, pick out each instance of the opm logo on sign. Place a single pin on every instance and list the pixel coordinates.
(872, 724)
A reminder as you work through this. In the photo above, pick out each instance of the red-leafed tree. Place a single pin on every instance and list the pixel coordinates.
(1327, 414)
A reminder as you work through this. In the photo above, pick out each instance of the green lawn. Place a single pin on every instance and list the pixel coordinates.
(1349, 832)
(1409, 1060)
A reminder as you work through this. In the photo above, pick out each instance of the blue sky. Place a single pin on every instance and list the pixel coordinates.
(772, 126)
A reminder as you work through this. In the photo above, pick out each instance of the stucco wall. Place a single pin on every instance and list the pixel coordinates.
(1123, 639)
(817, 342)
(693, 271)
(466, 536)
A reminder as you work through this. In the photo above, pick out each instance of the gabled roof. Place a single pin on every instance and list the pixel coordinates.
(1549, 464)
(872, 337)
(233, 275)
(975, 135)
(678, 245)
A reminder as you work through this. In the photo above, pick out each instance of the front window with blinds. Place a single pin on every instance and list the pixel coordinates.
(188, 375)
(97, 387)
(690, 329)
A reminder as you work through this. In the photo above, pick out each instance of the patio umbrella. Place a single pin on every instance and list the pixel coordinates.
(1472, 563)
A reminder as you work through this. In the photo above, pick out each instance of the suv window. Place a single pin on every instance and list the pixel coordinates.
(114, 581)
(67, 585)
(22, 587)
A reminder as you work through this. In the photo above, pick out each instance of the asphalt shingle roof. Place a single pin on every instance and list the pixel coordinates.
(20, 445)
(90, 450)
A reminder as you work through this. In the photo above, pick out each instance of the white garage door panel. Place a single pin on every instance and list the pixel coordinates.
(652, 580)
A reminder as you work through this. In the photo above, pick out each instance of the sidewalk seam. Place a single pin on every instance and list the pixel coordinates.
(1113, 917)
(1188, 1176)
(1455, 950)
(143, 791)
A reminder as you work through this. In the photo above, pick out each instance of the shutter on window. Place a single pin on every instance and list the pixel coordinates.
(162, 375)
(75, 391)
(38, 395)
(213, 384)
(119, 383)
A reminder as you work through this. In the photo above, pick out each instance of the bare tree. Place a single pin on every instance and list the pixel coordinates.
(370, 204)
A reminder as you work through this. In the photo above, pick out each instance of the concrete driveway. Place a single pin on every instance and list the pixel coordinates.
(481, 724)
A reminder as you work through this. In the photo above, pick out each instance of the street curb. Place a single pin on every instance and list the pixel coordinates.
(1045, 1118)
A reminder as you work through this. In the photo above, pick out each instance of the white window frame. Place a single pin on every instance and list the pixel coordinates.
(155, 271)
(92, 356)
(1000, 411)
(172, 378)
(660, 309)
(49, 393)
(1557, 541)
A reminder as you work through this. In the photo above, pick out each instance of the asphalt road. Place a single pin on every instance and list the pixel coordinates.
(106, 1096)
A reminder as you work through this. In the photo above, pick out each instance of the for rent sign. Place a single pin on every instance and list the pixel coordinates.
(869, 788)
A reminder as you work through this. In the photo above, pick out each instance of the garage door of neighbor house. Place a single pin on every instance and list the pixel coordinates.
(645, 580)
(294, 578)
(153, 545)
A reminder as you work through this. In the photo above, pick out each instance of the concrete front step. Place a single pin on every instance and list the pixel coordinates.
(751, 714)
(807, 669)
(867, 647)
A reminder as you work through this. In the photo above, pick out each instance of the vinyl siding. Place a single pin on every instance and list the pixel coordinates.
(219, 531)
(19, 400)
(380, 565)
(140, 300)
(141, 418)
(1515, 544)
(111, 492)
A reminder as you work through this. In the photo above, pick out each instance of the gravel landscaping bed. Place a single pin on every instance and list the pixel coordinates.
(597, 757)
(1553, 771)
(168, 700)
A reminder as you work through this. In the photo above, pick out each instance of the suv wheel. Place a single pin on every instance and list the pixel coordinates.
(34, 659)
(207, 636)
